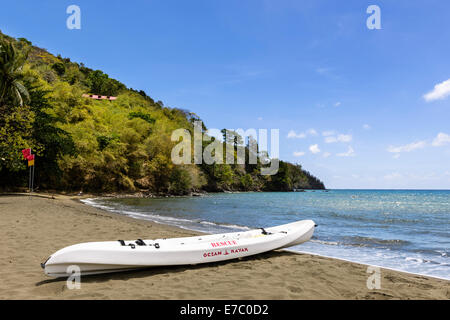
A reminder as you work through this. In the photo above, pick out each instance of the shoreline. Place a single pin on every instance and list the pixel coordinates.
(284, 274)
(91, 201)
(367, 265)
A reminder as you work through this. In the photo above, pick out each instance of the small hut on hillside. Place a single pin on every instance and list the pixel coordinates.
(98, 97)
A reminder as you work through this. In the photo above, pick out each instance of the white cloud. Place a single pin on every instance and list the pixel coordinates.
(396, 156)
(337, 104)
(345, 137)
(350, 153)
(328, 133)
(299, 153)
(441, 140)
(326, 154)
(366, 127)
(260, 118)
(408, 147)
(292, 134)
(339, 138)
(314, 148)
(440, 91)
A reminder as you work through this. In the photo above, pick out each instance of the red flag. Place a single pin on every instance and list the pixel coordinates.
(26, 153)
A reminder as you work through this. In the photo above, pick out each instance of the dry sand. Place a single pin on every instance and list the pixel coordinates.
(32, 228)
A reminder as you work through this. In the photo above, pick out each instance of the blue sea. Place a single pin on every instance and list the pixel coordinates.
(398, 229)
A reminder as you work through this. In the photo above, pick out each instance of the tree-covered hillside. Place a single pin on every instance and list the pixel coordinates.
(100, 145)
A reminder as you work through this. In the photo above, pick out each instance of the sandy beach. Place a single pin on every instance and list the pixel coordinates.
(35, 227)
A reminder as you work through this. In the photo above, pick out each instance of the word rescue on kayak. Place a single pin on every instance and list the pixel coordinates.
(228, 309)
(237, 143)
(223, 243)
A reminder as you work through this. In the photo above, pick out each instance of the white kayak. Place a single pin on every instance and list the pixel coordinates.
(113, 256)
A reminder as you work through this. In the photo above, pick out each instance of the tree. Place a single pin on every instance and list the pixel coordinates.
(59, 68)
(100, 83)
(15, 135)
(281, 181)
(247, 182)
(52, 141)
(232, 137)
(12, 91)
(180, 181)
(15, 115)
(223, 175)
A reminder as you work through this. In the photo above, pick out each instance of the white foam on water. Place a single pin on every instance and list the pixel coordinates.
(93, 203)
(201, 226)
(375, 257)
(359, 262)
(331, 243)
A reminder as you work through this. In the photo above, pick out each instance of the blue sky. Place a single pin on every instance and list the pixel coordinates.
(349, 102)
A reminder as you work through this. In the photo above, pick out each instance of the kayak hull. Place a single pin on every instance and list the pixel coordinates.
(114, 256)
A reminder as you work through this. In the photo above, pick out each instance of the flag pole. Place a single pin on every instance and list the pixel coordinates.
(29, 179)
(32, 178)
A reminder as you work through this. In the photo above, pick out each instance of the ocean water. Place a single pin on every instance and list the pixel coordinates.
(399, 229)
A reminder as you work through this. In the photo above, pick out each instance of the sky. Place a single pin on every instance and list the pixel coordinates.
(357, 107)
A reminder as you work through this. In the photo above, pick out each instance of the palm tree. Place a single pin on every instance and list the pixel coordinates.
(12, 91)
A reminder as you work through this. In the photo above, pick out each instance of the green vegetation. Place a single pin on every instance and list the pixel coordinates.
(105, 146)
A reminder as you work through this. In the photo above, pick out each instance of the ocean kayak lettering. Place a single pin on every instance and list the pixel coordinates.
(212, 254)
(223, 243)
(238, 250)
(224, 253)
